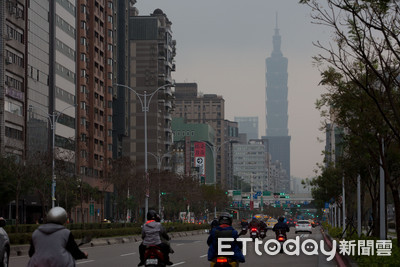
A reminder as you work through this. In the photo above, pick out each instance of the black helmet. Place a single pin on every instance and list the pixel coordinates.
(281, 219)
(225, 218)
(57, 215)
(151, 215)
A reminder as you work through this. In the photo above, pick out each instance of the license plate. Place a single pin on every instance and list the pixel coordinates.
(151, 261)
(253, 233)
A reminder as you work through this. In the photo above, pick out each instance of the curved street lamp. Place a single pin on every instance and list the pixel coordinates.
(215, 150)
(53, 118)
(145, 108)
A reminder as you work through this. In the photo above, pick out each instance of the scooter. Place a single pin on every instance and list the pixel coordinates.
(281, 239)
(244, 230)
(153, 257)
(254, 233)
(263, 233)
(222, 261)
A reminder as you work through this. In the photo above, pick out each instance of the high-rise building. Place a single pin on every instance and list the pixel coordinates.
(249, 126)
(277, 107)
(151, 63)
(95, 46)
(250, 164)
(123, 10)
(13, 39)
(207, 108)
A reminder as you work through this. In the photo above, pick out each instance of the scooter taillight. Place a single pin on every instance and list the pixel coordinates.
(222, 260)
(253, 229)
(281, 238)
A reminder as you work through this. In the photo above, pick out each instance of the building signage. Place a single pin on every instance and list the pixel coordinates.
(200, 157)
(14, 93)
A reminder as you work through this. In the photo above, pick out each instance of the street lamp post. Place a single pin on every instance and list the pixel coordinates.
(53, 118)
(215, 150)
(159, 159)
(145, 108)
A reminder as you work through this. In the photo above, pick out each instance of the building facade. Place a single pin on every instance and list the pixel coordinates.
(186, 137)
(210, 109)
(277, 131)
(249, 126)
(151, 63)
(13, 78)
(250, 164)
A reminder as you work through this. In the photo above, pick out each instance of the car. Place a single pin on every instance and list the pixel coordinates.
(271, 223)
(303, 226)
(291, 223)
(4, 244)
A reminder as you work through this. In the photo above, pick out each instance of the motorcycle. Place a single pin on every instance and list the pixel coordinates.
(281, 238)
(244, 230)
(254, 233)
(153, 257)
(222, 261)
(263, 233)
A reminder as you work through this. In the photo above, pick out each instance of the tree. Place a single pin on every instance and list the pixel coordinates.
(17, 180)
(365, 57)
(366, 39)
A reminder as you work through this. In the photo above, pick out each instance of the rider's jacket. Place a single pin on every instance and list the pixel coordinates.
(224, 231)
(53, 245)
(263, 225)
(254, 223)
(281, 226)
(152, 232)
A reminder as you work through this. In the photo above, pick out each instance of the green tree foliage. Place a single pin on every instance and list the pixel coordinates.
(361, 68)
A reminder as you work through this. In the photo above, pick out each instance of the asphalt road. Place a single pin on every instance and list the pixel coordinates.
(192, 251)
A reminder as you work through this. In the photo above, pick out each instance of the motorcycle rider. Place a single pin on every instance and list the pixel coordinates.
(214, 223)
(244, 223)
(151, 235)
(254, 223)
(263, 226)
(281, 227)
(164, 238)
(52, 244)
(224, 229)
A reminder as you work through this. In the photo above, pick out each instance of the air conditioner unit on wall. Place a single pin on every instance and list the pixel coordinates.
(9, 60)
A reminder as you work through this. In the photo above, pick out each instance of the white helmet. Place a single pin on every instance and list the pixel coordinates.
(57, 215)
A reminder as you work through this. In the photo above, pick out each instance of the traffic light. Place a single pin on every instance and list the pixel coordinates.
(163, 193)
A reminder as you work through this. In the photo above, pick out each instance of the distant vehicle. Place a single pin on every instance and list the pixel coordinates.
(291, 222)
(271, 223)
(303, 226)
(4, 245)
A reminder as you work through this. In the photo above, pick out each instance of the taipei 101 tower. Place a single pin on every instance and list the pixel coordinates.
(277, 110)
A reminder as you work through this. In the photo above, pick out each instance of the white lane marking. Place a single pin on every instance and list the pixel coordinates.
(198, 241)
(179, 244)
(179, 263)
(123, 255)
(202, 256)
(82, 262)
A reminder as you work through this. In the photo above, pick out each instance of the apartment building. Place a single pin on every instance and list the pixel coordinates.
(13, 83)
(250, 164)
(206, 108)
(151, 63)
(94, 46)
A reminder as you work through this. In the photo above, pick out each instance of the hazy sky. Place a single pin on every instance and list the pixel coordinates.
(222, 46)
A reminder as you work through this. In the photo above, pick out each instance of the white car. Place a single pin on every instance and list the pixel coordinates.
(303, 226)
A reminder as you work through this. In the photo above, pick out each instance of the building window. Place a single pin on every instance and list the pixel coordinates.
(14, 107)
(13, 133)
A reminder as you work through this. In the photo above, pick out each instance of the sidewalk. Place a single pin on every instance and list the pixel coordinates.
(21, 250)
(341, 260)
